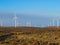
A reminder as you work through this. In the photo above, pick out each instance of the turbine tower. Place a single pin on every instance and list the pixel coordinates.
(57, 22)
(15, 20)
(28, 23)
(53, 22)
(1, 23)
(49, 24)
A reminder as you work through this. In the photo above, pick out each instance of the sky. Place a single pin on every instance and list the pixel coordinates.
(39, 12)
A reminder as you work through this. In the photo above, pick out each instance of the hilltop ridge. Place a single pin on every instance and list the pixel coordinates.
(29, 29)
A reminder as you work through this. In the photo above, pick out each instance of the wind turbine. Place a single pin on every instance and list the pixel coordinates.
(53, 23)
(15, 20)
(1, 23)
(28, 23)
(50, 23)
(57, 22)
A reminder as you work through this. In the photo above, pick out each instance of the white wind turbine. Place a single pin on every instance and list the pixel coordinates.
(15, 20)
(57, 22)
(28, 23)
(1, 23)
(50, 23)
(53, 22)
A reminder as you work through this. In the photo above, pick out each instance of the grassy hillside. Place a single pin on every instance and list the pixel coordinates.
(30, 36)
(29, 29)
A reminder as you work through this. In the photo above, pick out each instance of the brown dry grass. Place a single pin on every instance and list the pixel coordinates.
(31, 35)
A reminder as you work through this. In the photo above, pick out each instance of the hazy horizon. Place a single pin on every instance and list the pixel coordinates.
(36, 12)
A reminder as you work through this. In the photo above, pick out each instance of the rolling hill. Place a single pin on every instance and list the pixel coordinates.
(29, 29)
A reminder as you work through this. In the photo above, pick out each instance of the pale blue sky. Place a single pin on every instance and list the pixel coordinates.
(38, 7)
(34, 8)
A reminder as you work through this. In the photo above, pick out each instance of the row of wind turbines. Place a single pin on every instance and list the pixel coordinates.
(15, 20)
(51, 23)
(28, 23)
